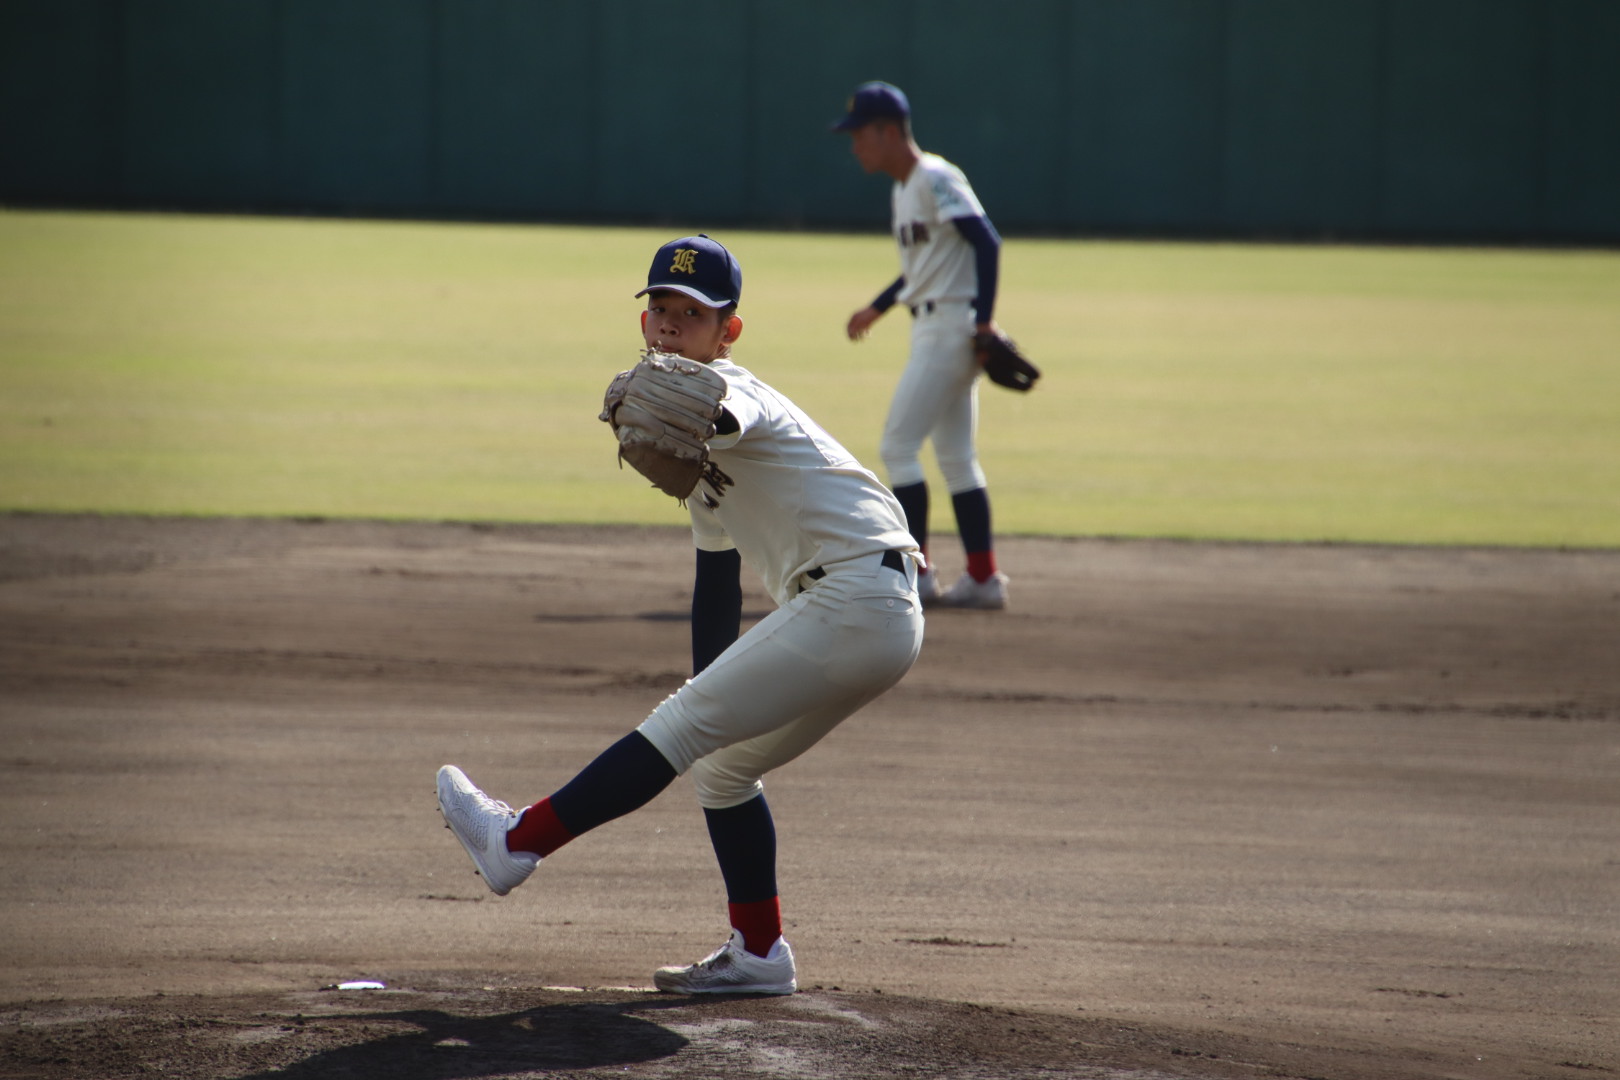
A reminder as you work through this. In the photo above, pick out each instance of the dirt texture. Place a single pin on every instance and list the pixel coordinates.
(1185, 810)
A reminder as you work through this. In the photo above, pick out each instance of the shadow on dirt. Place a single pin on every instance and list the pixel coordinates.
(445, 1046)
(319, 1038)
(465, 1033)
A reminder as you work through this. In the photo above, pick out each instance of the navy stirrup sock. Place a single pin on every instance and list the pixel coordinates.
(744, 839)
(624, 777)
(973, 519)
(913, 500)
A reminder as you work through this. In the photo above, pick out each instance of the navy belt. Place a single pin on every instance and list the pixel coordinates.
(924, 308)
(891, 558)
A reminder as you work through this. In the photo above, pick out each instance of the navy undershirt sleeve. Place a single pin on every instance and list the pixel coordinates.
(716, 605)
(986, 260)
(886, 298)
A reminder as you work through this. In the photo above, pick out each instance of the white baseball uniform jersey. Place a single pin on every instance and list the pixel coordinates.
(937, 394)
(830, 543)
(936, 261)
(800, 499)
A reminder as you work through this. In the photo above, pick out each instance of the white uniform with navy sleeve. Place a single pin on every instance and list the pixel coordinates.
(815, 525)
(937, 395)
(936, 261)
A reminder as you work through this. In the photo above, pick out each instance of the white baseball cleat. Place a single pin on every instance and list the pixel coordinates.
(988, 595)
(732, 969)
(481, 824)
(928, 587)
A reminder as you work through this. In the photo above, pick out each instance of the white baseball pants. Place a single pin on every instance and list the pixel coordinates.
(790, 679)
(937, 398)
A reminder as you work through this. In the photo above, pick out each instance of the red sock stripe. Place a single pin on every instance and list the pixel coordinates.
(538, 830)
(760, 923)
(982, 565)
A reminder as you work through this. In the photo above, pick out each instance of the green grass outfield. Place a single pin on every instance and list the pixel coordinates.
(243, 366)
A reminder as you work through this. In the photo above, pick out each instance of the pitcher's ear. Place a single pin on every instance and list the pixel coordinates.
(733, 329)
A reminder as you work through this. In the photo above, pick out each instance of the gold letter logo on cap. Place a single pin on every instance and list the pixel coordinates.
(685, 261)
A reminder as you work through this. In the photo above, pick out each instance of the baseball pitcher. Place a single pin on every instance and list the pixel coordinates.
(763, 484)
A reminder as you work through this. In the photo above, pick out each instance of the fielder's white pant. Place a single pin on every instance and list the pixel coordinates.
(938, 398)
(791, 679)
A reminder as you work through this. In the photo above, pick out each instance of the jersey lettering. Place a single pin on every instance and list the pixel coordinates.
(936, 261)
(915, 232)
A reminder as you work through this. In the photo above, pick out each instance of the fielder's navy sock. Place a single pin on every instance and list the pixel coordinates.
(624, 777)
(973, 522)
(914, 502)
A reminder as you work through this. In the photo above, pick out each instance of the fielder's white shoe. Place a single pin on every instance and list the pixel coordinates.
(928, 587)
(481, 824)
(732, 969)
(984, 595)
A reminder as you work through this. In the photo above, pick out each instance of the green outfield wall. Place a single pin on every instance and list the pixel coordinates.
(1432, 119)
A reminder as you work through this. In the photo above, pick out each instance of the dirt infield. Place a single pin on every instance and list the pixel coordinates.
(1187, 810)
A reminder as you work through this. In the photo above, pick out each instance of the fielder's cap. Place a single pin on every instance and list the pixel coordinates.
(699, 267)
(873, 101)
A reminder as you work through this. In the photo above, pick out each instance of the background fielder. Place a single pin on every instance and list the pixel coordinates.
(830, 543)
(949, 261)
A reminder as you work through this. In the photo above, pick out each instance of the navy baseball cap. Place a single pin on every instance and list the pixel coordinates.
(699, 267)
(873, 101)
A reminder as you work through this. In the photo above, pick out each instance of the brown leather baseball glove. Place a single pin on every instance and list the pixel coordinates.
(1003, 363)
(663, 411)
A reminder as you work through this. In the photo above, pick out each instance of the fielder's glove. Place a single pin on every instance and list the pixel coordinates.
(663, 411)
(1003, 364)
